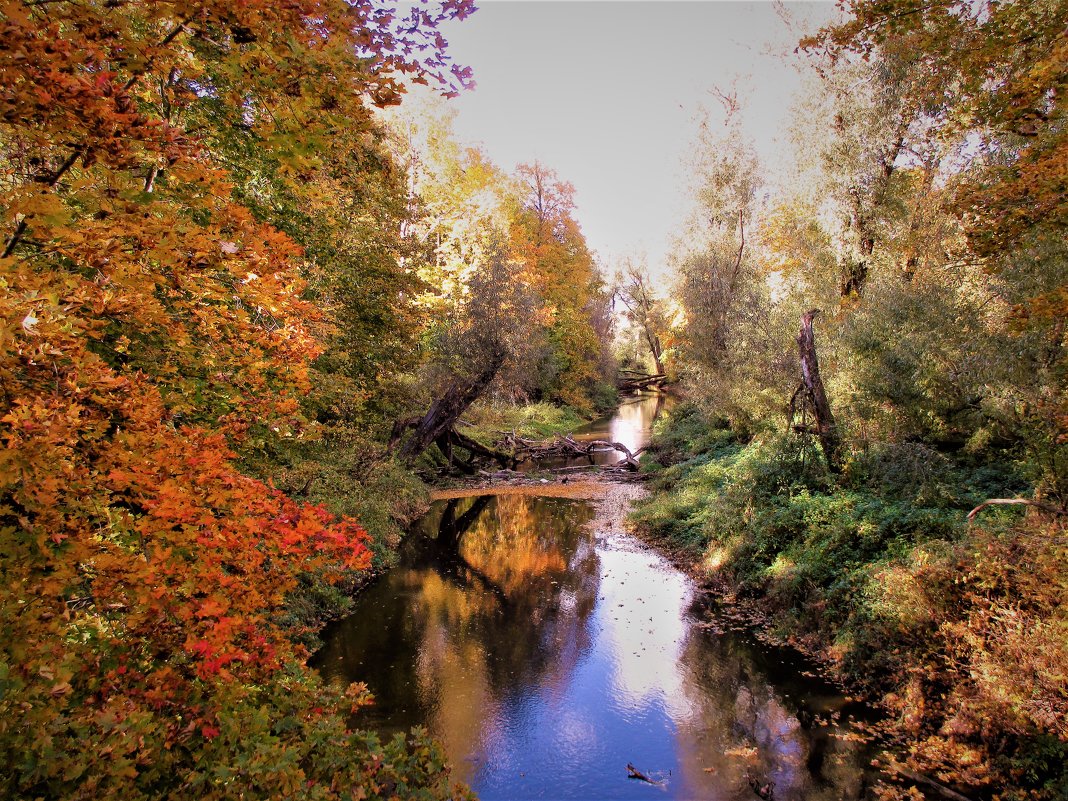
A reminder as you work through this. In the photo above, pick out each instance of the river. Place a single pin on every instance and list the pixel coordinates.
(547, 649)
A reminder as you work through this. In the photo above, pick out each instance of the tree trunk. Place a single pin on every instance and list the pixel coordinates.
(810, 373)
(855, 273)
(445, 411)
(476, 448)
(640, 381)
(656, 349)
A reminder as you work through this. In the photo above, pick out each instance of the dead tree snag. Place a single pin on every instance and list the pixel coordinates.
(816, 396)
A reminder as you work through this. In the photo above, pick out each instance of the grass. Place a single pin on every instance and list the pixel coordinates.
(535, 420)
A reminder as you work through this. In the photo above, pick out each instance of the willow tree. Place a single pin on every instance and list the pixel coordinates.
(720, 286)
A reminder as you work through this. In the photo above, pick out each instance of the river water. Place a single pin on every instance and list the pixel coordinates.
(546, 654)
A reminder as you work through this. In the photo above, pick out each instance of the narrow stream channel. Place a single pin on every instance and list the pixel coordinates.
(546, 654)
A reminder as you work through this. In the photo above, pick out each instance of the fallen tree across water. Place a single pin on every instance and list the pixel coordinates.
(437, 426)
(523, 449)
(634, 381)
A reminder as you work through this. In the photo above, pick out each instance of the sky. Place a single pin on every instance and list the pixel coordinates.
(608, 93)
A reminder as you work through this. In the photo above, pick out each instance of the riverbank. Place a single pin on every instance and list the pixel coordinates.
(508, 547)
(957, 629)
(546, 649)
(365, 483)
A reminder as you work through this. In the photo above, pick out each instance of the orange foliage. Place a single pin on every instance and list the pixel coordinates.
(146, 321)
(999, 69)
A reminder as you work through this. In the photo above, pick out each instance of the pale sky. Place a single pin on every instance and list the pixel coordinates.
(608, 93)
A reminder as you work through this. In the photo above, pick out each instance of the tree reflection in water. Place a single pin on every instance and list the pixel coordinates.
(491, 598)
(546, 657)
(751, 710)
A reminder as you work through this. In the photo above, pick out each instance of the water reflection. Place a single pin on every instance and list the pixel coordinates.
(492, 597)
(632, 423)
(764, 719)
(546, 656)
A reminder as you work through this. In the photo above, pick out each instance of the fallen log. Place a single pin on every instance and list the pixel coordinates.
(444, 443)
(1045, 507)
(628, 457)
(928, 783)
(640, 382)
(634, 773)
(566, 447)
(764, 789)
(476, 448)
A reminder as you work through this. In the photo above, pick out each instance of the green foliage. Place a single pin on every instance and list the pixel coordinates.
(687, 433)
(961, 628)
(319, 597)
(604, 397)
(1037, 762)
(350, 473)
(533, 420)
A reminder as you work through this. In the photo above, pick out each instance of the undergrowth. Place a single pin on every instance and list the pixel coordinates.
(353, 475)
(488, 421)
(961, 628)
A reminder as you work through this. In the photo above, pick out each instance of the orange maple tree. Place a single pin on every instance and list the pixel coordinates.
(149, 321)
(547, 240)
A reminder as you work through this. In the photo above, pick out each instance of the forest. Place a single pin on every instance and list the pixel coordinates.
(257, 296)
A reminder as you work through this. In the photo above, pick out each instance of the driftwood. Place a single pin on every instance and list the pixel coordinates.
(813, 395)
(523, 449)
(618, 467)
(438, 427)
(1045, 507)
(927, 782)
(634, 773)
(633, 381)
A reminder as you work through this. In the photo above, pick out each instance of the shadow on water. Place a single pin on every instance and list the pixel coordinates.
(546, 656)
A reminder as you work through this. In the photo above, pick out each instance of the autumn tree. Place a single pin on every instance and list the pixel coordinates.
(874, 128)
(460, 202)
(482, 317)
(154, 320)
(548, 240)
(925, 219)
(719, 288)
(643, 309)
(462, 210)
(1000, 95)
(1003, 66)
